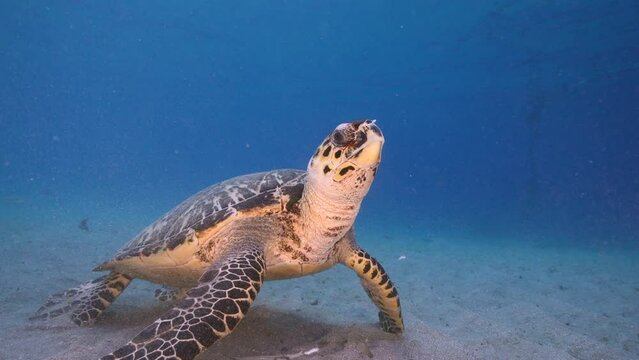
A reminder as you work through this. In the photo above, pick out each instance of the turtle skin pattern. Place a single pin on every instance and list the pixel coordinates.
(379, 288)
(166, 294)
(209, 312)
(87, 301)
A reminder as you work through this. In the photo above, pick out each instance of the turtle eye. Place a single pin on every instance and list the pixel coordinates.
(337, 138)
(342, 136)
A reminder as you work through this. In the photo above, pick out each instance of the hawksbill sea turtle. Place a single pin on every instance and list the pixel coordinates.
(219, 245)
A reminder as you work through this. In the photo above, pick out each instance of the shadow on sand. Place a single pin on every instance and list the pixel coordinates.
(264, 334)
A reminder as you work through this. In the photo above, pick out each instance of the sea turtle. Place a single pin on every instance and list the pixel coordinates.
(222, 242)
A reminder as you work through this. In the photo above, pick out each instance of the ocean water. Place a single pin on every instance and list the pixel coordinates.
(505, 209)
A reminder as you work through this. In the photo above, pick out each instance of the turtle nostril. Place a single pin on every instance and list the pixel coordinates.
(375, 130)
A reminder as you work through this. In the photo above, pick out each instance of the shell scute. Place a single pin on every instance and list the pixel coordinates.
(211, 206)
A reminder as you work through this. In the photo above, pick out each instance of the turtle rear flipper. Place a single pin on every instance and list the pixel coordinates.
(210, 311)
(85, 302)
(167, 293)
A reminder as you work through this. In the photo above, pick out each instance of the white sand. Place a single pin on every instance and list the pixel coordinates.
(462, 299)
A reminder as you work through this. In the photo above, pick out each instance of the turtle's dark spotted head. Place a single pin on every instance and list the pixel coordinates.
(349, 156)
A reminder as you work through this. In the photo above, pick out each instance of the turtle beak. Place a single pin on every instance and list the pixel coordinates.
(369, 154)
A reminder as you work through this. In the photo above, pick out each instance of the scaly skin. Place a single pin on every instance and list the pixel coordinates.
(210, 311)
(376, 282)
(87, 301)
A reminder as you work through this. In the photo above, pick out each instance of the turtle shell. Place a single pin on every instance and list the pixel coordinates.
(213, 205)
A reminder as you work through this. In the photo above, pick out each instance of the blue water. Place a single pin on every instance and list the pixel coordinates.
(503, 119)
(499, 116)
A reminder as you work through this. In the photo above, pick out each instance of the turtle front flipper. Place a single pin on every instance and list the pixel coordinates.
(210, 311)
(377, 284)
(87, 301)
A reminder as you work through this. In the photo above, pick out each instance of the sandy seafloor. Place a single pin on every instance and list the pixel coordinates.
(462, 298)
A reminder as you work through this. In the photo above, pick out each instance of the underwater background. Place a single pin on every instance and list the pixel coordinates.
(508, 124)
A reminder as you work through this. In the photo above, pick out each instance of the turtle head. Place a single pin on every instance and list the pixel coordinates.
(346, 162)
